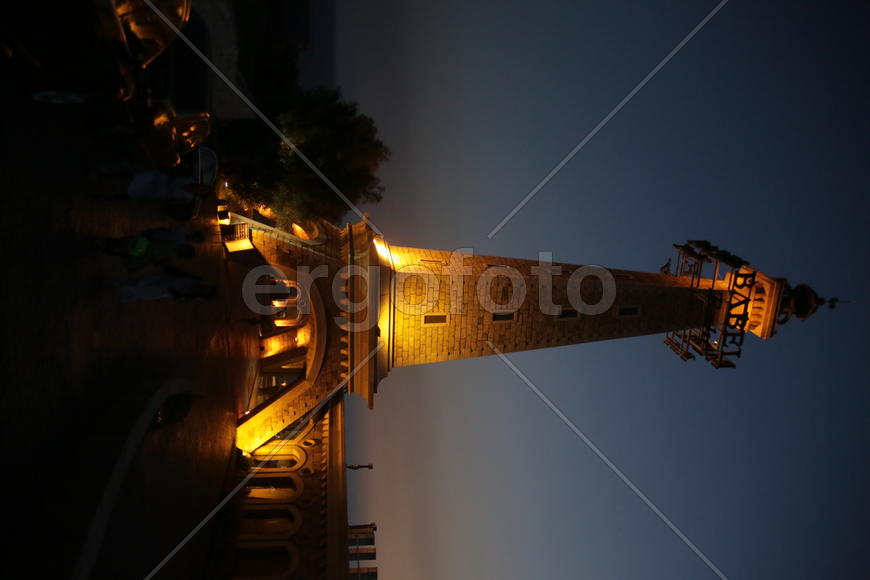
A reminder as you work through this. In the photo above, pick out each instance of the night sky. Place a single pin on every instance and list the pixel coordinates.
(755, 136)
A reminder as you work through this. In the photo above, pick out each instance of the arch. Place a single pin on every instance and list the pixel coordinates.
(288, 452)
(270, 521)
(264, 560)
(287, 359)
(274, 485)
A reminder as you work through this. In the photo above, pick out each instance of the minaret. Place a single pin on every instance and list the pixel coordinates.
(448, 306)
(345, 307)
(421, 306)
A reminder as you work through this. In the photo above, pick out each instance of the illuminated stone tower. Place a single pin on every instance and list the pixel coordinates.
(436, 306)
(347, 307)
(340, 308)
(515, 305)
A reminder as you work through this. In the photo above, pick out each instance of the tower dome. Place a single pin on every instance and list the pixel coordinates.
(800, 302)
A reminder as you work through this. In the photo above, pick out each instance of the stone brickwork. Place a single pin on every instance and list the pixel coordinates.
(429, 282)
(278, 343)
(286, 529)
(287, 252)
(443, 306)
(430, 306)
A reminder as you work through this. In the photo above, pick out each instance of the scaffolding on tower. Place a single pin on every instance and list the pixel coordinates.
(730, 286)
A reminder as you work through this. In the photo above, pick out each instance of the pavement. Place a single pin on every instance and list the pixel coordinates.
(80, 366)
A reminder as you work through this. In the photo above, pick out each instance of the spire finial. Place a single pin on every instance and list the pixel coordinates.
(832, 302)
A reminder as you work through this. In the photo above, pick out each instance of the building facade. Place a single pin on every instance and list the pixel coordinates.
(339, 308)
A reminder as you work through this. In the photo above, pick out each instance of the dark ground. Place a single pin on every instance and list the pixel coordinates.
(79, 364)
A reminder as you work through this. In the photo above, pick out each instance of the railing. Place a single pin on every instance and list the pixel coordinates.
(233, 232)
(718, 343)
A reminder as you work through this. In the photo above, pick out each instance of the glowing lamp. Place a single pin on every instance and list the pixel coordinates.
(382, 249)
(303, 335)
(298, 231)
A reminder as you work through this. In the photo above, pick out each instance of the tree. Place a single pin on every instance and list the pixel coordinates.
(250, 159)
(330, 132)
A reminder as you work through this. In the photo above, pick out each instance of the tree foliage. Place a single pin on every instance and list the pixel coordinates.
(331, 133)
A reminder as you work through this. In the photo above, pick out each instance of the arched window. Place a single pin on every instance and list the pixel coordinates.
(283, 487)
(270, 521)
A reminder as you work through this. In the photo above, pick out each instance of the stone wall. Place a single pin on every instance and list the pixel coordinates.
(429, 282)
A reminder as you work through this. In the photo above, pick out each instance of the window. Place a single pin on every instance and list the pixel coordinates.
(431, 319)
(629, 310)
(279, 463)
(273, 488)
(273, 522)
(567, 313)
(502, 316)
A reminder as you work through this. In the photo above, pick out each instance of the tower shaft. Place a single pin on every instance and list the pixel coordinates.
(448, 306)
